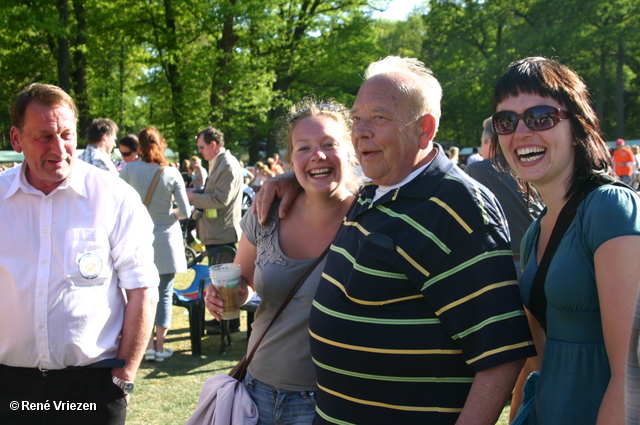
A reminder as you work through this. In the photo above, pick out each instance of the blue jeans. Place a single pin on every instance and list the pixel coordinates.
(281, 407)
(163, 309)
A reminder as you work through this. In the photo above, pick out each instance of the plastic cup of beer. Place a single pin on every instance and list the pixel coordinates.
(226, 281)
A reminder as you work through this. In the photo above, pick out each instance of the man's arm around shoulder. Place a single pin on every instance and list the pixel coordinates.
(283, 186)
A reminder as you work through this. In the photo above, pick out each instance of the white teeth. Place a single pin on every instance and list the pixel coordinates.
(319, 171)
(530, 154)
(531, 158)
(527, 151)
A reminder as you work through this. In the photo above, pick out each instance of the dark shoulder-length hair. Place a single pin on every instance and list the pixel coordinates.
(152, 146)
(547, 78)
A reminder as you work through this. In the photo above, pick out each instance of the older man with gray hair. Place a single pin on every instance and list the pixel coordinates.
(417, 318)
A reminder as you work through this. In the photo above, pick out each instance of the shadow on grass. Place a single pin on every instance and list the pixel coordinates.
(183, 363)
(167, 392)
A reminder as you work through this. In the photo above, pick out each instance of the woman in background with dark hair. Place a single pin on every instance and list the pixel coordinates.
(168, 244)
(549, 135)
(128, 147)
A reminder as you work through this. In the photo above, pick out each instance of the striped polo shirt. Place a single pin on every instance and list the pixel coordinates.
(419, 293)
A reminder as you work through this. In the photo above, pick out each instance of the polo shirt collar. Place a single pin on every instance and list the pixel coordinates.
(435, 172)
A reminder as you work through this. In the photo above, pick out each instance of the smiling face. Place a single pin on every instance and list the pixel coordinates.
(386, 134)
(542, 158)
(48, 141)
(319, 156)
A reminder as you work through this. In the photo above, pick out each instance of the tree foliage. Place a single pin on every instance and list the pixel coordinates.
(471, 42)
(239, 64)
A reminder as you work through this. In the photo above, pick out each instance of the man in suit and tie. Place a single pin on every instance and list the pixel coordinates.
(221, 200)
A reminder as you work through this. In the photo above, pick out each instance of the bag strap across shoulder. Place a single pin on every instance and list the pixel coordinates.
(537, 297)
(152, 186)
(245, 364)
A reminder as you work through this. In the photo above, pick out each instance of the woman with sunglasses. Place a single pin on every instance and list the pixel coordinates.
(549, 135)
(281, 378)
(128, 147)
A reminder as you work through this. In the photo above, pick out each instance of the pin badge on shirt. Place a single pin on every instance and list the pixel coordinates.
(90, 265)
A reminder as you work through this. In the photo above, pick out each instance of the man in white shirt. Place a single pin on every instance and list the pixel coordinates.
(77, 275)
(474, 157)
(101, 139)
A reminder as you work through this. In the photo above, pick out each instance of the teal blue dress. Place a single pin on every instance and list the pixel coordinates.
(575, 370)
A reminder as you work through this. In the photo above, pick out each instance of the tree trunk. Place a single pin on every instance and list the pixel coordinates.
(602, 84)
(620, 91)
(63, 47)
(220, 85)
(183, 141)
(80, 69)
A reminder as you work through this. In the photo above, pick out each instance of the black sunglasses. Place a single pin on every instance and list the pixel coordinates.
(125, 154)
(536, 118)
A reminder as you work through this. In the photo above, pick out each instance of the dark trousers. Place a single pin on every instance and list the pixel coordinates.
(60, 397)
(231, 244)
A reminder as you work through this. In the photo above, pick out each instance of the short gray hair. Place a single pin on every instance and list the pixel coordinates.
(427, 93)
(488, 133)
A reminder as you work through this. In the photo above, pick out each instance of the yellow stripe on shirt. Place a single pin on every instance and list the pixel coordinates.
(364, 302)
(390, 406)
(381, 350)
(475, 294)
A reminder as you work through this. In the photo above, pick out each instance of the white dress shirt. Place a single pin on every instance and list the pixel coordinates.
(65, 261)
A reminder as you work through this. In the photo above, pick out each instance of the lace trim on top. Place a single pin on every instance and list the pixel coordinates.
(264, 242)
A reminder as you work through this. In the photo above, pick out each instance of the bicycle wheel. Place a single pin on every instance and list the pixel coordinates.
(190, 254)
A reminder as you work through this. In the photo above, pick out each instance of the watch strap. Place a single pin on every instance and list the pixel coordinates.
(125, 386)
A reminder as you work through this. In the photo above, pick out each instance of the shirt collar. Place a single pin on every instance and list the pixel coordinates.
(214, 161)
(75, 181)
(413, 185)
(383, 190)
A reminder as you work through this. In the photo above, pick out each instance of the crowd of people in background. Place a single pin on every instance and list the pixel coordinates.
(437, 300)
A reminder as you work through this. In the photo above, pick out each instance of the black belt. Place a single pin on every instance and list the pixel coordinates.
(105, 364)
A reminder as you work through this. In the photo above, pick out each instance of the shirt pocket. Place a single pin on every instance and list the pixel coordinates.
(375, 264)
(87, 257)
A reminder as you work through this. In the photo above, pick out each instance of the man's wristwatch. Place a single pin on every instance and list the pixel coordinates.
(125, 386)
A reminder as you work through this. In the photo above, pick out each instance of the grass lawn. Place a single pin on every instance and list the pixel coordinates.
(167, 392)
